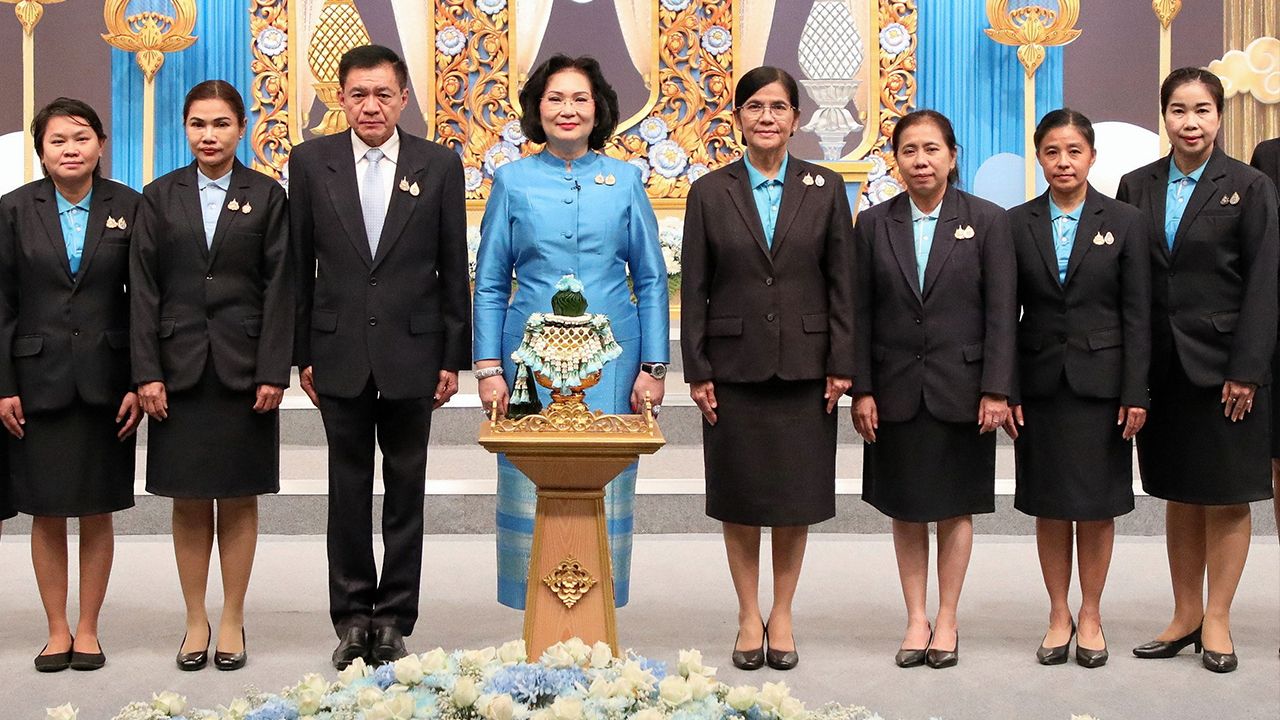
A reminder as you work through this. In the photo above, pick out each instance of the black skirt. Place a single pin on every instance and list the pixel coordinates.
(1189, 453)
(71, 464)
(771, 456)
(213, 445)
(6, 507)
(1275, 409)
(924, 469)
(1072, 461)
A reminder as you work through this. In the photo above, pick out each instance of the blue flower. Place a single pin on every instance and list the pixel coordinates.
(534, 684)
(717, 40)
(667, 158)
(570, 283)
(500, 154)
(274, 709)
(451, 40)
(653, 129)
(513, 133)
(385, 676)
(894, 38)
(490, 7)
(272, 41)
(675, 5)
(643, 166)
(657, 667)
(472, 178)
(696, 170)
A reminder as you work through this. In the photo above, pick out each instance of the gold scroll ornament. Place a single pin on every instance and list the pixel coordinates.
(150, 35)
(569, 581)
(1031, 28)
(1166, 11)
(29, 13)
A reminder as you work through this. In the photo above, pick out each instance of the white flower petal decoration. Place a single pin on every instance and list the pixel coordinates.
(501, 153)
(653, 129)
(717, 40)
(513, 133)
(451, 40)
(667, 158)
(894, 38)
(272, 41)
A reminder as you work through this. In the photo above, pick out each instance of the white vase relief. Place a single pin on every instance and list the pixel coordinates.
(830, 55)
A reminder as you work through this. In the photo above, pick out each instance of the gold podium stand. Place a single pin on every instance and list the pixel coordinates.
(571, 454)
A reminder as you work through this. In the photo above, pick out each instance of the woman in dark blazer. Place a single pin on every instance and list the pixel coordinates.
(933, 369)
(1266, 157)
(766, 334)
(212, 344)
(1084, 347)
(1207, 444)
(65, 395)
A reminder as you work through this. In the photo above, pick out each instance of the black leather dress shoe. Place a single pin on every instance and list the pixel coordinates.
(354, 643)
(388, 645)
(88, 661)
(232, 661)
(747, 659)
(53, 662)
(1159, 649)
(909, 657)
(192, 661)
(1089, 658)
(938, 659)
(1055, 655)
(780, 659)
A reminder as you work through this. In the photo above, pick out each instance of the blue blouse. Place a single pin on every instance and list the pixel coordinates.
(1064, 226)
(74, 218)
(1177, 195)
(593, 221)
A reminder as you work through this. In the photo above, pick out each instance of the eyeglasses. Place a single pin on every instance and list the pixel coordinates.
(756, 109)
(557, 103)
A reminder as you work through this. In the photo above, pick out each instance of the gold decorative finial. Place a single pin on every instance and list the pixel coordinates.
(338, 29)
(150, 34)
(1166, 11)
(569, 581)
(29, 12)
(1032, 27)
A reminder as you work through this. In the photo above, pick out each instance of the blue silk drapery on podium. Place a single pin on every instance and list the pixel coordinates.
(223, 52)
(977, 82)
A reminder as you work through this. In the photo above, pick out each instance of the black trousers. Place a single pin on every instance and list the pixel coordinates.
(401, 428)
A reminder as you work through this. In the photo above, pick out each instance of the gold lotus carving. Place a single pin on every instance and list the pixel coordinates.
(269, 95)
(569, 581)
(29, 12)
(150, 34)
(1032, 27)
(1166, 11)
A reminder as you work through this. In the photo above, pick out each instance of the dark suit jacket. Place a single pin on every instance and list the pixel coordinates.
(1095, 327)
(750, 312)
(401, 316)
(234, 299)
(63, 337)
(1214, 296)
(950, 344)
(1266, 157)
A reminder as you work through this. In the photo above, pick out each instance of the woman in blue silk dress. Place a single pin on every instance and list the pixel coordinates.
(569, 210)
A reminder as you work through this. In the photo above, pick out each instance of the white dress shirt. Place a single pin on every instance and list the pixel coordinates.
(391, 152)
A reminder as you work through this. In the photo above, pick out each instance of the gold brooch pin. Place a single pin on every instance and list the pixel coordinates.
(1224, 200)
(413, 189)
(964, 232)
(246, 208)
(233, 205)
(807, 179)
(819, 180)
(610, 179)
(404, 184)
(1110, 239)
(114, 224)
(1235, 198)
(600, 179)
(1099, 239)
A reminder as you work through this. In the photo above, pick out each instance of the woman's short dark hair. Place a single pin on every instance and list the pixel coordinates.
(1185, 75)
(602, 93)
(756, 78)
(1063, 117)
(215, 90)
(918, 117)
(363, 57)
(70, 108)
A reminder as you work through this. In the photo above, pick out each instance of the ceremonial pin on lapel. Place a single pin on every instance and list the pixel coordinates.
(1099, 239)
(600, 179)
(1235, 198)
(1224, 200)
(404, 184)
(233, 205)
(114, 224)
(413, 189)
(610, 179)
(246, 208)
(1110, 239)
(819, 180)
(964, 232)
(808, 179)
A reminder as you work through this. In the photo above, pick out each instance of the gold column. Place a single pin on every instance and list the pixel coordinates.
(1248, 120)
(150, 35)
(29, 13)
(1031, 28)
(1166, 11)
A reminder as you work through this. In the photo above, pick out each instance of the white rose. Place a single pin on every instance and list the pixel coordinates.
(169, 703)
(690, 662)
(314, 682)
(409, 670)
(636, 676)
(649, 714)
(700, 686)
(399, 707)
(567, 709)
(601, 655)
(674, 690)
(308, 702)
(578, 649)
(62, 712)
(742, 697)
(500, 707)
(771, 696)
(513, 651)
(543, 714)
(600, 688)
(356, 670)
(435, 661)
(465, 692)
(791, 709)
(238, 710)
(477, 659)
(368, 697)
(558, 656)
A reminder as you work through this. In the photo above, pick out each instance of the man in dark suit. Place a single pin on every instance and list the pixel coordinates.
(1266, 157)
(378, 225)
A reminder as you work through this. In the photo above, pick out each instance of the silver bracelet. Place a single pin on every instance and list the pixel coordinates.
(488, 372)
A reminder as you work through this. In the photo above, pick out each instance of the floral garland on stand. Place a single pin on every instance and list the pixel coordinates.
(566, 346)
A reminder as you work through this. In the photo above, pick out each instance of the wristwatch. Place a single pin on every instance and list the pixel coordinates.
(657, 370)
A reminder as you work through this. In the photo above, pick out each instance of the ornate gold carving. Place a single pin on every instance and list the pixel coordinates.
(29, 12)
(339, 29)
(271, 142)
(150, 34)
(569, 413)
(1032, 27)
(1166, 11)
(569, 581)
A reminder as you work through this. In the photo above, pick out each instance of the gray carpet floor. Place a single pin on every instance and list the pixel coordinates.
(849, 620)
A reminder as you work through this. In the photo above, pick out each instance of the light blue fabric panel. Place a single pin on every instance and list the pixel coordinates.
(977, 82)
(221, 51)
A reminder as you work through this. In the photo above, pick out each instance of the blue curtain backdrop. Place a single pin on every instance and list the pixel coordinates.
(977, 82)
(221, 52)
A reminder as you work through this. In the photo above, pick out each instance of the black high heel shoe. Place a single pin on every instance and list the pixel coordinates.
(53, 662)
(1220, 662)
(910, 657)
(747, 659)
(232, 661)
(1088, 658)
(780, 659)
(1056, 655)
(192, 661)
(1160, 649)
(938, 659)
